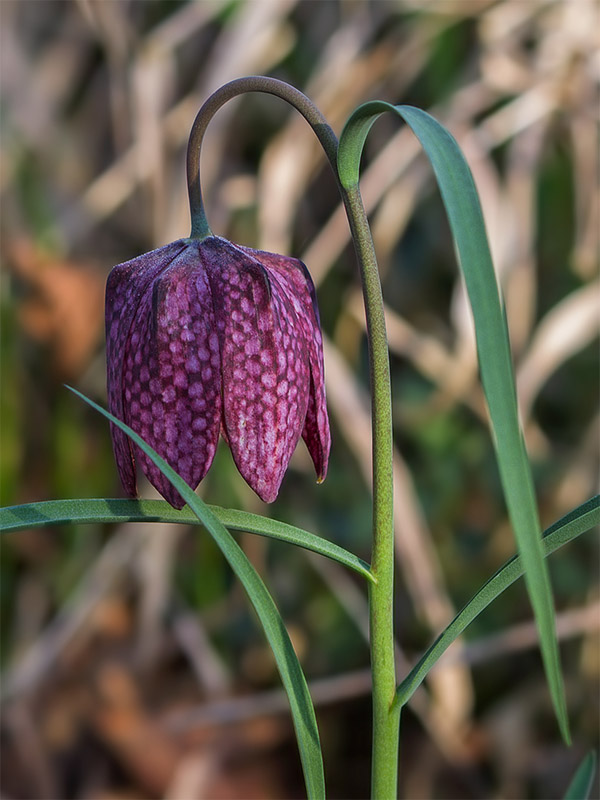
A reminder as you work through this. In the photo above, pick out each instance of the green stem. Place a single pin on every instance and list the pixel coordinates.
(253, 83)
(386, 716)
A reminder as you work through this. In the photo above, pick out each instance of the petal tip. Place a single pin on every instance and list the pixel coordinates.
(267, 495)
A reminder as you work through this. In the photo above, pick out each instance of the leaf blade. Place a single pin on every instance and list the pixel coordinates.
(303, 713)
(573, 524)
(461, 202)
(115, 510)
(581, 784)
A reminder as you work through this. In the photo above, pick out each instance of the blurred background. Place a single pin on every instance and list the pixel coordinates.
(132, 665)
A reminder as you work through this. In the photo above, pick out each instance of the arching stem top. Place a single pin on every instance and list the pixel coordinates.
(253, 83)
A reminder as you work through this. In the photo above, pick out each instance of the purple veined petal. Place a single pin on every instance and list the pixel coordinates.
(316, 432)
(172, 380)
(299, 287)
(125, 288)
(264, 363)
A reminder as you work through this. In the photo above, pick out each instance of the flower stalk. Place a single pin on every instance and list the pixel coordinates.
(386, 715)
(253, 83)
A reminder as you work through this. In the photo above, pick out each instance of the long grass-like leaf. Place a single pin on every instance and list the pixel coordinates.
(57, 512)
(581, 785)
(466, 221)
(573, 524)
(292, 677)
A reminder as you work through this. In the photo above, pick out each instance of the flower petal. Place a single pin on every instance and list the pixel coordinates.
(126, 285)
(172, 380)
(300, 289)
(265, 364)
(316, 432)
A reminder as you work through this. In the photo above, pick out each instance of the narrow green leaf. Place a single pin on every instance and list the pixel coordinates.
(60, 512)
(468, 229)
(573, 524)
(292, 677)
(581, 785)
(254, 523)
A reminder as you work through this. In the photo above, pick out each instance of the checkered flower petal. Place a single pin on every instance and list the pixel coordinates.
(126, 286)
(265, 366)
(203, 337)
(171, 377)
(297, 283)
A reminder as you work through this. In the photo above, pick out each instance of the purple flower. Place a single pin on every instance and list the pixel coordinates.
(206, 337)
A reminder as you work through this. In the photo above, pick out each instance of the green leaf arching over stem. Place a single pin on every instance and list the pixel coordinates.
(468, 229)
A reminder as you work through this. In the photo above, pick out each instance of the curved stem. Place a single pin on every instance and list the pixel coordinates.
(386, 715)
(253, 83)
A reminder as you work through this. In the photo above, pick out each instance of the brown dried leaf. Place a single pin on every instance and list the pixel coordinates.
(63, 310)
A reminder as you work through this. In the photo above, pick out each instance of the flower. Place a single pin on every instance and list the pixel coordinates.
(206, 337)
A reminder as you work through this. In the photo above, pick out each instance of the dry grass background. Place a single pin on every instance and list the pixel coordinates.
(132, 667)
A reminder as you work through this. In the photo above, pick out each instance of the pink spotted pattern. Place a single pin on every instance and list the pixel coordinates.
(295, 279)
(206, 337)
(171, 375)
(264, 366)
(126, 285)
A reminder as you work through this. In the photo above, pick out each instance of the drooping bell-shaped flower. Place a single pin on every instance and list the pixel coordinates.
(206, 337)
